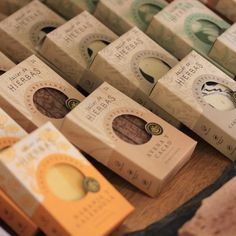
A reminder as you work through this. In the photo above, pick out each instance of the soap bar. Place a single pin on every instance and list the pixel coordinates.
(203, 98)
(51, 181)
(186, 25)
(120, 16)
(23, 32)
(227, 8)
(10, 133)
(73, 46)
(224, 49)
(133, 64)
(216, 215)
(5, 63)
(127, 138)
(32, 93)
(71, 8)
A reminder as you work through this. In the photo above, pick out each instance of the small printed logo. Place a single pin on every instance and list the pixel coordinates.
(91, 185)
(154, 129)
(71, 103)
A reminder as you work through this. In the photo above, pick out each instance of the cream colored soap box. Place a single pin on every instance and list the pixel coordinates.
(58, 188)
(5, 63)
(32, 94)
(73, 46)
(120, 16)
(23, 32)
(71, 8)
(227, 8)
(133, 64)
(224, 50)
(130, 140)
(203, 98)
(185, 25)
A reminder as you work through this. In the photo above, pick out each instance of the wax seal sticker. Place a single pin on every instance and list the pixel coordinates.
(71, 103)
(91, 185)
(92, 44)
(39, 31)
(143, 11)
(154, 129)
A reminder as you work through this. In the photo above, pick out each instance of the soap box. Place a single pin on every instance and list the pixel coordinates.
(224, 49)
(10, 133)
(227, 8)
(32, 93)
(73, 46)
(120, 16)
(5, 63)
(127, 138)
(185, 25)
(23, 32)
(71, 8)
(133, 64)
(58, 188)
(203, 98)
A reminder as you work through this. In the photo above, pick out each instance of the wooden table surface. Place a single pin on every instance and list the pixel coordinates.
(206, 165)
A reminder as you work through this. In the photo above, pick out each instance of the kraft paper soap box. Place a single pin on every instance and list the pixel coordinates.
(227, 8)
(5, 63)
(23, 32)
(73, 46)
(10, 133)
(71, 8)
(120, 16)
(58, 188)
(203, 98)
(186, 25)
(224, 50)
(127, 138)
(32, 93)
(133, 64)
(8, 7)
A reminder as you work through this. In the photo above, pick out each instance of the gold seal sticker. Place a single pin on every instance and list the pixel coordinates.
(71, 103)
(91, 185)
(6, 142)
(154, 129)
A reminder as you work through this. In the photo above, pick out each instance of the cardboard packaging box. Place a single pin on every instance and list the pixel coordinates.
(5, 63)
(127, 138)
(224, 50)
(73, 46)
(133, 64)
(58, 188)
(32, 93)
(7, 7)
(10, 133)
(71, 8)
(186, 25)
(227, 8)
(203, 98)
(120, 16)
(23, 32)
